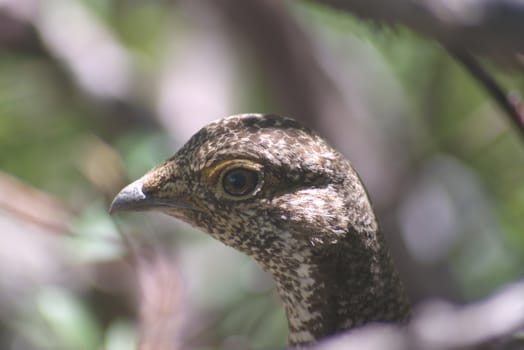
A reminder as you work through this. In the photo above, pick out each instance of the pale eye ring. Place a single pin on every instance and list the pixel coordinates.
(239, 182)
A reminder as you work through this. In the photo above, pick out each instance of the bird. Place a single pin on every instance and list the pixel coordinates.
(275, 190)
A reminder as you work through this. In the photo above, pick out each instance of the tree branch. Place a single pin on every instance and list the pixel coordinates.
(491, 28)
(33, 205)
(488, 27)
(506, 102)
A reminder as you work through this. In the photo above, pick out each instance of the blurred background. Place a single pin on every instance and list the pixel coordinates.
(95, 92)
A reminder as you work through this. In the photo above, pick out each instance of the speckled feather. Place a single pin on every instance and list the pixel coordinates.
(310, 223)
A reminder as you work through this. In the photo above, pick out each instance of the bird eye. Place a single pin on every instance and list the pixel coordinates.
(240, 181)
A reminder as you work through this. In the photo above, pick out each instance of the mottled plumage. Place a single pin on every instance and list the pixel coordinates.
(276, 191)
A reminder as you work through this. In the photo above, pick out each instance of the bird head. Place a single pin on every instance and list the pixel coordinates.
(263, 184)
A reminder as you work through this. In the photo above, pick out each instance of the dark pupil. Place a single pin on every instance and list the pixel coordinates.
(239, 182)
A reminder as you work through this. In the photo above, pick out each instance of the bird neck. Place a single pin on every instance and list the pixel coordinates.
(346, 285)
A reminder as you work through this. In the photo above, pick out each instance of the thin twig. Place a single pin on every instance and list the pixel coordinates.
(490, 28)
(507, 102)
(160, 314)
(34, 206)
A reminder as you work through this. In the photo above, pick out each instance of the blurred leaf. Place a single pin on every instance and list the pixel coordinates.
(69, 319)
(96, 237)
(121, 335)
(142, 151)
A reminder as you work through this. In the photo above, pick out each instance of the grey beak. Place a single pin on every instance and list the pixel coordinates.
(133, 198)
(130, 197)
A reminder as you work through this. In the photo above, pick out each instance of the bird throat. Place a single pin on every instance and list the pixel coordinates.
(345, 287)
